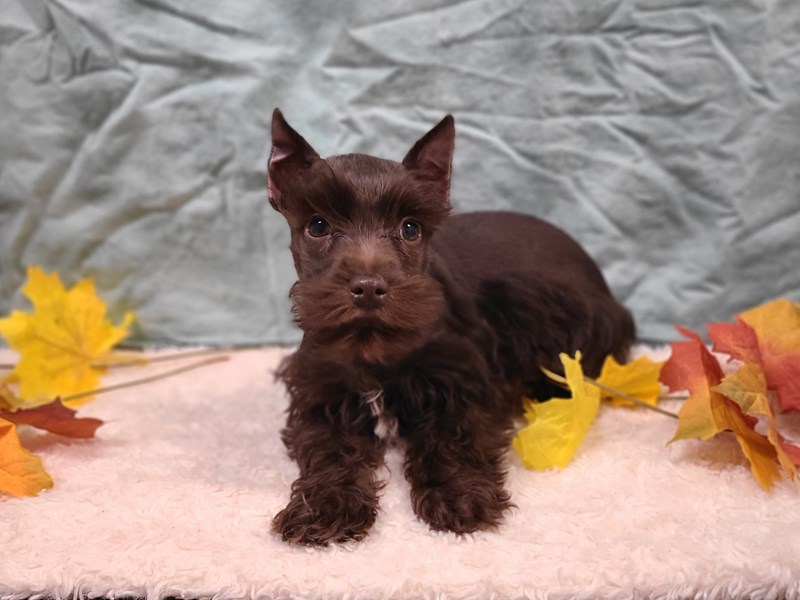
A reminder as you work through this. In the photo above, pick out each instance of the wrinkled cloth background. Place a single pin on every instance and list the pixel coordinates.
(134, 137)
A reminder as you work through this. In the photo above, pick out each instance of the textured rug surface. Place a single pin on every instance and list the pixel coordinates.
(175, 495)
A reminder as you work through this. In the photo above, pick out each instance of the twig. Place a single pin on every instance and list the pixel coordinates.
(150, 379)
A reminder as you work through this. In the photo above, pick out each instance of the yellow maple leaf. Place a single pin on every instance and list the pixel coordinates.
(65, 343)
(777, 324)
(557, 427)
(21, 473)
(638, 378)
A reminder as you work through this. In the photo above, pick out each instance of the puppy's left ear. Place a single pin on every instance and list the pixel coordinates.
(432, 156)
(290, 158)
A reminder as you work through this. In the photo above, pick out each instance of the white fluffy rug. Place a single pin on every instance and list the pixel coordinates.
(175, 496)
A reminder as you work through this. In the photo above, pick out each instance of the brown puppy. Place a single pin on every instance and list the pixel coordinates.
(419, 327)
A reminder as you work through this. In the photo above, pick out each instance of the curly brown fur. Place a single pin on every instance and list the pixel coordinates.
(419, 327)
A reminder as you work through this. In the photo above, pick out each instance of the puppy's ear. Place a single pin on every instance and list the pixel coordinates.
(432, 156)
(290, 157)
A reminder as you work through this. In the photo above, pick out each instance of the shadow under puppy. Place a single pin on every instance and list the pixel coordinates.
(420, 326)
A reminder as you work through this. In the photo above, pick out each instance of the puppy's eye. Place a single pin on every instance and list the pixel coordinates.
(410, 230)
(318, 227)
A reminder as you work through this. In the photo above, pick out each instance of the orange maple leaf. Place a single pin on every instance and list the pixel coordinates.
(748, 388)
(21, 473)
(708, 412)
(768, 336)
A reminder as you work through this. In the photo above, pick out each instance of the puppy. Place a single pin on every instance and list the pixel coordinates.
(420, 327)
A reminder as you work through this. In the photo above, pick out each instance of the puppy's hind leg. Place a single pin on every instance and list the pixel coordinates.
(612, 332)
(535, 318)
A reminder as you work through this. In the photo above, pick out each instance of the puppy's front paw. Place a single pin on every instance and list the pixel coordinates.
(317, 517)
(461, 506)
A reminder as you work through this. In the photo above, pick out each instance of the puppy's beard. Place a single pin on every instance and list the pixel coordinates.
(403, 322)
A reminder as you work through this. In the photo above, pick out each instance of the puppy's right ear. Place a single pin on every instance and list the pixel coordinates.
(291, 155)
(432, 156)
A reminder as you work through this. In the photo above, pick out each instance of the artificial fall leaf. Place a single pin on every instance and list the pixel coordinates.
(769, 336)
(708, 412)
(66, 341)
(21, 473)
(748, 388)
(691, 367)
(557, 427)
(757, 449)
(737, 339)
(639, 378)
(55, 418)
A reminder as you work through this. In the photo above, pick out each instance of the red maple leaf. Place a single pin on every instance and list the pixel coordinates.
(55, 418)
(769, 336)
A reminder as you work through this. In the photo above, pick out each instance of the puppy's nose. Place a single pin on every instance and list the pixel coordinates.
(368, 290)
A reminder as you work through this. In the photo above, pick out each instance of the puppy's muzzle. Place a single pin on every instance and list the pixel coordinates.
(368, 291)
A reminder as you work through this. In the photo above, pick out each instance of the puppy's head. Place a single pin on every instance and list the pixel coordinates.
(360, 233)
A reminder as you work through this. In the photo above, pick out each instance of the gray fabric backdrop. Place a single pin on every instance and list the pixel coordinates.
(664, 135)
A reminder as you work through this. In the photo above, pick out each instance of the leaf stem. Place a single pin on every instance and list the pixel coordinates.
(613, 391)
(620, 394)
(150, 379)
(137, 362)
(674, 397)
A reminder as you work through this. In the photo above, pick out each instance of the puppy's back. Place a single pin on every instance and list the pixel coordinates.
(539, 290)
(481, 246)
